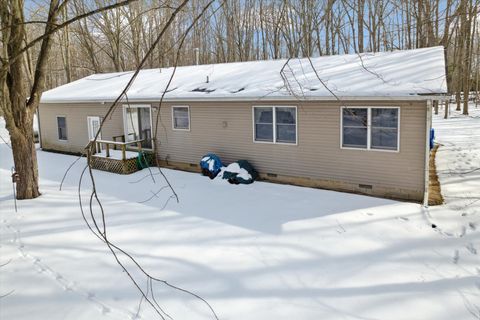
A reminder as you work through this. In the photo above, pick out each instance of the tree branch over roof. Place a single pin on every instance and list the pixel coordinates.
(57, 27)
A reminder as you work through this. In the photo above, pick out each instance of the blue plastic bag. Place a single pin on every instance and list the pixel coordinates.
(210, 165)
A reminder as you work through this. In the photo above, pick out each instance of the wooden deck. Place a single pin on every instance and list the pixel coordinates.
(121, 157)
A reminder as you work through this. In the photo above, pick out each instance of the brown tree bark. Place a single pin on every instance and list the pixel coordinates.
(360, 14)
(25, 159)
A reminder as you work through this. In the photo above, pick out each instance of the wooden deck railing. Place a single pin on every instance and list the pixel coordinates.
(120, 137)
(105, 145)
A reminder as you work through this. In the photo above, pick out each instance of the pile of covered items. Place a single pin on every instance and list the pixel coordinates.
(239, 172)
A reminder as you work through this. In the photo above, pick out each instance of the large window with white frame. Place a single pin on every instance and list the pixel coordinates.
(370, 128)
(62, 128)
(181, 118)
(275, 124)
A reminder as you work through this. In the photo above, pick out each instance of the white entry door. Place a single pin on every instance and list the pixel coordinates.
(93, 127)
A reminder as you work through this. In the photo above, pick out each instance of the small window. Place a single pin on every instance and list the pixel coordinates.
(355, 124)
(275, 124)
(181, 118)
(62, 128)
(384, 133)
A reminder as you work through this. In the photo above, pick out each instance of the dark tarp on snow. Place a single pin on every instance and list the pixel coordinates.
(233, 176)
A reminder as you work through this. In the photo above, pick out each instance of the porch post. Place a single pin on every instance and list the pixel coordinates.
(124, 156)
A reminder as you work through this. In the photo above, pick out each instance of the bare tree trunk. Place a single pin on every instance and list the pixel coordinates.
(328, 26)
(466, 26)
(408, 17)
(458, 66)
(18, 115)
(477, 71)
(471, 28)
(458, 95)
(360, 13)
(66, 46)
(25, 159)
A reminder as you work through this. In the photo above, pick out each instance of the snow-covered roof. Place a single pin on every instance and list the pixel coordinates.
(397, 74)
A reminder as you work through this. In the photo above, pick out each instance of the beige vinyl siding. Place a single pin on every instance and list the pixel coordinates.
(227, 130)
(77, 126)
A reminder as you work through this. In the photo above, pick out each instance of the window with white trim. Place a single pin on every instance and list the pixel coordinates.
(62, 128)
(263, 124)
(275, 124)
(355, 124)
(371, 128)
(384, 132)
(181, 118)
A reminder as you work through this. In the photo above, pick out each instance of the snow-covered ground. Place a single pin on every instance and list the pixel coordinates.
(261, 251)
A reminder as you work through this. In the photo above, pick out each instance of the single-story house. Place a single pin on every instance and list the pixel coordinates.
(356, 122)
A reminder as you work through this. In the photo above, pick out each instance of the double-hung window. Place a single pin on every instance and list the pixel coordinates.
(371, 128)
(275, 124)
(181, 118)
(62, 128)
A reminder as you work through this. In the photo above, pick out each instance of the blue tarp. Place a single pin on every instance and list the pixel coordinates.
(211, 165)
(432, 138)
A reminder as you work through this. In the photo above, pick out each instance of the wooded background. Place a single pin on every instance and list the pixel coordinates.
(242, 30)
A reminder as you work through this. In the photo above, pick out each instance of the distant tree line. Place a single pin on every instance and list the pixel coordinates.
(235, 30)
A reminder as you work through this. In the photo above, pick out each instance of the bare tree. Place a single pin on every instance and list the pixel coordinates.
(18, 102)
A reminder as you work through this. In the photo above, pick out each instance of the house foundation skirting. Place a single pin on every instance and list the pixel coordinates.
(120, 166)
(364, 189)
(115, 166)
